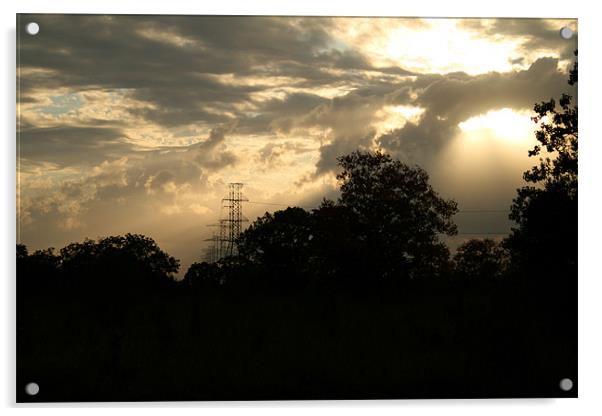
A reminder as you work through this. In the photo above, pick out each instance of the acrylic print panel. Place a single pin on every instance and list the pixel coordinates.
(256, 208)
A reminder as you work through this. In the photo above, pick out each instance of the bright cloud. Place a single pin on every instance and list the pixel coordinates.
(139, 123)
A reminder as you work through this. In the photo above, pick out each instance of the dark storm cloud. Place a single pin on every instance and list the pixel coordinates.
(176, 64)
(127, 174)
(72, 146)
(538, 33)
(446, 99)
(456, 97)
(350, 119)
(134, 53)
(187, 162)
(272, 153)
(160, 179)
(252, 78)
(153, 169)
(340, 146)
(211, 153)
(144, 177)
(280, 114)
(418, 143)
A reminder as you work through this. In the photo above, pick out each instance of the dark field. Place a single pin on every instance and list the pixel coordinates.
(451, 341)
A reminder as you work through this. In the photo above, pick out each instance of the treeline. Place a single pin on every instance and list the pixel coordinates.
(383, 232)
(385, 228)
(358, 298)
(116, 264)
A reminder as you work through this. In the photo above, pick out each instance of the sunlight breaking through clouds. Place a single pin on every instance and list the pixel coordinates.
(505, 124)
(143, 120)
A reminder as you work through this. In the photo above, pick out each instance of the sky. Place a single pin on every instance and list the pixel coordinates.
(138, 123)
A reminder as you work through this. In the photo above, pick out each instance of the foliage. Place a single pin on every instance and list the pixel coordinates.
(386, 192)
(479, 259)
(39, 267)
(80, 310)
(125, 262)
(281, 238)
(400, 213)
(385, 225)
(546, 212)
(558, 135)
(203, 275)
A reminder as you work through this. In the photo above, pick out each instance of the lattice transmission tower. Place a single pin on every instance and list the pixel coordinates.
(216, 250)
(233, 201)
(229, 226)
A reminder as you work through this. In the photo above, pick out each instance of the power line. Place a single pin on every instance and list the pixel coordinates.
(281, 205)
(487, 233)
(481, 211)
(267, 203)
(463, 211)
(229, 225)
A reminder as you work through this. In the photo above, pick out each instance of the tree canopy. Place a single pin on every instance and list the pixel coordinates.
(386, 225)
(118, 263)
(479, 259)
(546, 212)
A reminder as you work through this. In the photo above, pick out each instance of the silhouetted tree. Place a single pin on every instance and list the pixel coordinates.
(400, 214)
(38, 271)
(546, 212)
(385, 226)
(479, 259)
(338, 248)
(203, 276)
(21, 251)
(279, 238)
(132, 261)
(543, 247)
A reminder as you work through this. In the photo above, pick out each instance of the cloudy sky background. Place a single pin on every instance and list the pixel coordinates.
(138, 123)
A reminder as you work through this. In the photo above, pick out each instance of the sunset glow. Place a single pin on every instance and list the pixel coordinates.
(504, 124)
(147, 142)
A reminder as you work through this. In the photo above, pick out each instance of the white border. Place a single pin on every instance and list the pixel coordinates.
(590, 292)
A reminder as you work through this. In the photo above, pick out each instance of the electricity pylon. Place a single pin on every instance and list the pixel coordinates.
(229, 226)
(233, 201)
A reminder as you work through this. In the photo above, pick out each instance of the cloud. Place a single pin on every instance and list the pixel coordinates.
(157, 182)
(536, 34)
(447, 100)
(274, 154)
(69, 146)
(457, 97)
(112, 52)
(139, 122)
(280, 114)
(152, 177)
